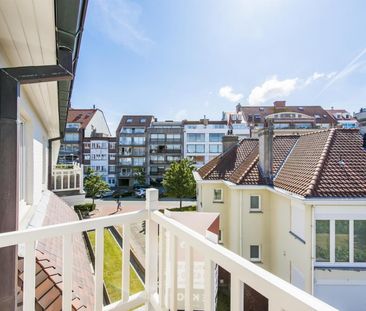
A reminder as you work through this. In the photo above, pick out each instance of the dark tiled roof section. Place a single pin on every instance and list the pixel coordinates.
(348, 179)
(229, 161)
(264, 111)
(282, 146)
(300, 172)
(135, 121)
(82, 116)
(245, 166)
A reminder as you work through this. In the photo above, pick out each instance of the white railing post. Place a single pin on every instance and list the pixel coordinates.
(29, 276)
(126, 263)
(189, 278)
(162, 268)
(236, 293)
(209, 285)
(173, 271)
(151, 240)
(67, 264)
(99, 256)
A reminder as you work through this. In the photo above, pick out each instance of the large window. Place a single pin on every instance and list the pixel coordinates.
(125, 161)
(139, 140)
(215, 148)
(216, 137)
(341, 241)
(123, 140)
(173, 148)
(198, 148)
(157, 136)
(173, 137)
(72, 125)
(139, 161)
(195, 137)
(322, 241)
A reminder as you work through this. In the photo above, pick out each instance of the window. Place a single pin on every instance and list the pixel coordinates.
(359, 233)
(112, 157)
(255, 253)
(72, 125)
(112, 145)
(195, 148)
(139, 130)
(172, 158)
(126, 161)
(71, 137)
(139, 140)
(195, 137)
(129, 121)
(218, 195)
(87, 156)
(157, 137)
(139, 161)
(342, 241)
(125, 140)
(112, 168)
(87, 145)
(322, 241)
(174, 137)
(216, 137)
(298, 220)
(255, 203)
(215, 148)
(142, 120)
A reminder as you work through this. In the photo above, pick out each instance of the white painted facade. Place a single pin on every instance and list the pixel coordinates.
(97, 123)
(199, 145)
(27, 37)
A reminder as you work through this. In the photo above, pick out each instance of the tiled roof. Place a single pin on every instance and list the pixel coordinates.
(249, 113)
(82, 116)
(49, 260)
(329, 163)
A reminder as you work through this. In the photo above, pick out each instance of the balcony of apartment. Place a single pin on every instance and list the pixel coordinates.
(163, 262)
(67, 178)
(361, 116)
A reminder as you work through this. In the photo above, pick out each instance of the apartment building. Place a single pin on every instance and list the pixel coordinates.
(285, 119)
(132, 147)
(165, 145)
(81, 124)
(296, 206)
(344, 118)
(100, 153)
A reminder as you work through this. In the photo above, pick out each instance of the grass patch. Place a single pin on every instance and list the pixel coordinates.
(113, 267)
(190, 208)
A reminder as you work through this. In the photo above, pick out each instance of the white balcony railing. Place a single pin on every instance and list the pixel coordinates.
(157, 294)
(68, 177)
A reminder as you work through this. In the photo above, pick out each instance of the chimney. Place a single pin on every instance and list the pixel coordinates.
(266, 152)
(228, 141)
(93, 106)
(205, 121)
(279, 104)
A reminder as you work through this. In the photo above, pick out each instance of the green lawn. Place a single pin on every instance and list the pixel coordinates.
(112, 268)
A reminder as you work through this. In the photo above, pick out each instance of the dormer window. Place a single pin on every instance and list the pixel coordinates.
(301, 108)
(129, 120)
(317, 116)
(143, 120)
(261, 109)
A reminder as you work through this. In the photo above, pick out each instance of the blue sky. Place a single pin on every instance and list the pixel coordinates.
(188, 58)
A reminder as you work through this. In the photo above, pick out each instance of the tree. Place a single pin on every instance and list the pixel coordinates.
(140, 176)
(179, 181)
(94, 184)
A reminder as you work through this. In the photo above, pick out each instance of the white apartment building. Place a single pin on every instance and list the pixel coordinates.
(203, 138)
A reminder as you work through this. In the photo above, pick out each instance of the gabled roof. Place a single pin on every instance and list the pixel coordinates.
(82, 116)
(329, 163)
(134, 120)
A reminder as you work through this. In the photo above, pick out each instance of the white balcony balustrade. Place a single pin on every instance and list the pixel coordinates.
(158, 294)
(68, 177)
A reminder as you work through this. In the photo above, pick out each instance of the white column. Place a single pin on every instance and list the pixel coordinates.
(151, 253)
(55, 181)
(173, 272)
(236, 294)
(209, 285)
(162, 267)
(62, 179)
(68, 179)
(189, 263)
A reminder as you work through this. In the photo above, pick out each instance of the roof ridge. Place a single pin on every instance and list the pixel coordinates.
(319, 166)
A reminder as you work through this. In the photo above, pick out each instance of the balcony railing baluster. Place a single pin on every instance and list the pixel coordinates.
(67, 264)
(29, 276)
(189, 278)
(173, 272)
(99, 256)
(125, 263)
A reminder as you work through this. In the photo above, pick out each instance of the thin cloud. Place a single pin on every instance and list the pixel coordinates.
(120, 21)
(228, 93)
(276, 88)
(353, 65)
(181, 114)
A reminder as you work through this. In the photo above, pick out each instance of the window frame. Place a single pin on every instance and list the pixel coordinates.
(221, 200)
(255, 259)
(255, 210)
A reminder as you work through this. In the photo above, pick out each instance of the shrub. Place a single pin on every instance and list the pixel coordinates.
(85, 208)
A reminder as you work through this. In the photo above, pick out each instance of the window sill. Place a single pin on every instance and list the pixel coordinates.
(256, 261)
(255, 211)
(297, 237)
(218, 202)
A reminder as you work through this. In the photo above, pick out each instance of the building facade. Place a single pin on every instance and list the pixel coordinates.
(361, 118)
(99, 154)
(344, 118)
(132, 148)
(165, 145)
(296, 206)
(81, 124)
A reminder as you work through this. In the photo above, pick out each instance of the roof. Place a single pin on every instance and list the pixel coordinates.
(328, 163)
(263, 111)
(202, 121)
(135, 121)
(333, 112)
(49, 262)
(82, 116)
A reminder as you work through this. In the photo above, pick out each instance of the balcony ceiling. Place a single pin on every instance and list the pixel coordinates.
(27, 36)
